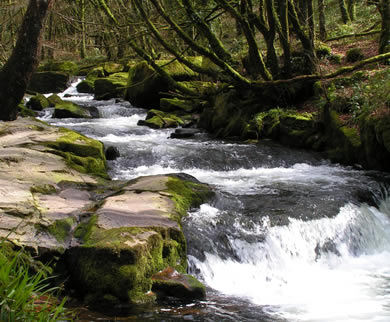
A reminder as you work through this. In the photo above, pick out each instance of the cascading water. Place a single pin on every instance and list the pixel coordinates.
(288, 237)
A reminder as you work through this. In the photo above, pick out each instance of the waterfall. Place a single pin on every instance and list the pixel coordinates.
(330, 269)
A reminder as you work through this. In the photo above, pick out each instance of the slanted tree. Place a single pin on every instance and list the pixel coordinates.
(17, 72)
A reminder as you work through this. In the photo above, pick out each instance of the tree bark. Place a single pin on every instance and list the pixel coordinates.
(384, 41)
(322, 19)
(344, 12)
(17, 72)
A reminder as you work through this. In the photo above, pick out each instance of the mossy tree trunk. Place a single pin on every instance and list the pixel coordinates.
(351, 9)
(322, 20)
(344, 12)
(17, 72)
(384, 41)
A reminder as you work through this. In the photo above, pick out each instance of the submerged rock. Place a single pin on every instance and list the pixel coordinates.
(112, 153)
(170, 284)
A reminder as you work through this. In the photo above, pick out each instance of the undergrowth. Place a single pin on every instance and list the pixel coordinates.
(26, 295)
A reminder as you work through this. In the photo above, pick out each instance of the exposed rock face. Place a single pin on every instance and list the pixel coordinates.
(112, 236)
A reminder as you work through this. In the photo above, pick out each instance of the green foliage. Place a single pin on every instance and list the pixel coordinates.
(25, 296)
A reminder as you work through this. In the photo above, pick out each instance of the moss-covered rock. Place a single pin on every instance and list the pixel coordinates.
(54, 100)
(38, 102)
(49, 82)
(24, 111)
(70, 110)
(112, 237)
(112, 68)
(110, 87)
(81, 153)
(156, 119)
(66, 66)
(121, 250)
(145, 85)
(86, 86)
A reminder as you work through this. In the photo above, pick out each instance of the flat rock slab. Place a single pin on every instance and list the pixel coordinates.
(131, 209)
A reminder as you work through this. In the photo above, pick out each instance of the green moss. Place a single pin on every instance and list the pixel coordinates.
(54, 100)
(60, 229)
(38, 102)
(186, 195)
(119, 262)
(94, 73)
(112, 86)
(86, 86)
(81, 153)
(45, 189)
(79, 144)
(66, 66)
(70, 110)
(175, 104)
(112, 67)
(25, 111)
(83, 230)
(352, 136)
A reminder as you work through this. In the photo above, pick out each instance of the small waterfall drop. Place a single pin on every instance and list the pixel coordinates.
(330, 269)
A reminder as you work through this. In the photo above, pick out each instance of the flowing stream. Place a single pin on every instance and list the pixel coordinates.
(288, 237)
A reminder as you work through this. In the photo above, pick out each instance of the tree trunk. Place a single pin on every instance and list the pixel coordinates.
(344, 12)
(384, 41)
(17, 72)
(321, 19)
(351, 9)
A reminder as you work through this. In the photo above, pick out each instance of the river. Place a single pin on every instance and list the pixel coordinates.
(288, 237)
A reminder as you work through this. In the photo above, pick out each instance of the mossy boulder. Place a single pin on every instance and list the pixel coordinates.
(38, 102)
(176, 104)
(66, 66)
(112, 68)
(145, 85)
(54, 100)
(70, 110)
(49, 82)
(286, 126)
(156, 119)
(86, 86)
(122, 247)
(112, 86)
(80, 152)
(24, 111)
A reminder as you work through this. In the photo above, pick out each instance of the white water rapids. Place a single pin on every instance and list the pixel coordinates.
(326, 259)
(286, 275)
